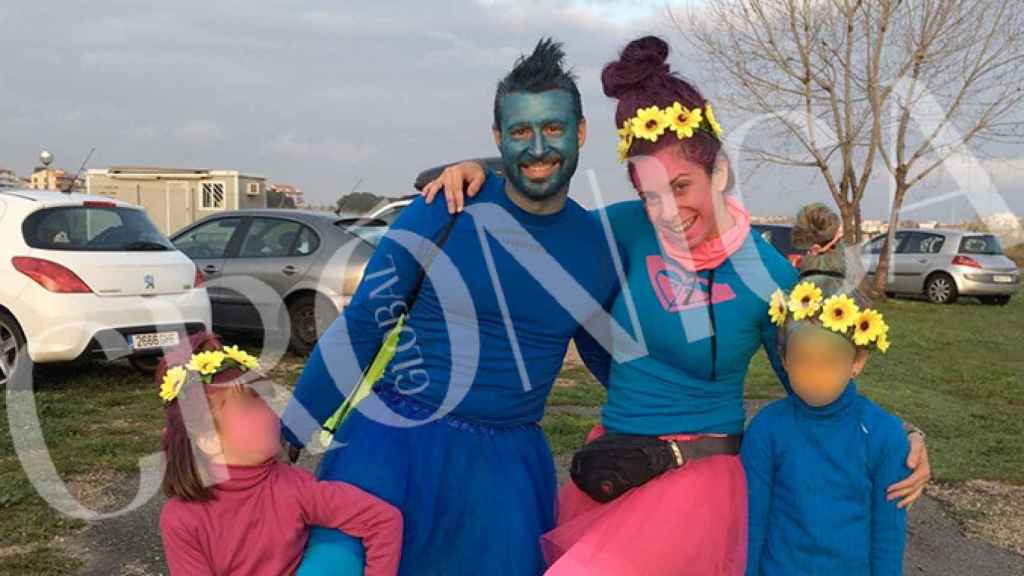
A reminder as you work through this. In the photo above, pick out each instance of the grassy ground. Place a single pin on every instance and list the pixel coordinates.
(958, 373)
(98, 421)
(955, 371)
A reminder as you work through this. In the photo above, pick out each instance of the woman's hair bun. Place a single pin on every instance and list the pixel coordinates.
(641, 60)
(828, 266)
(815, 224)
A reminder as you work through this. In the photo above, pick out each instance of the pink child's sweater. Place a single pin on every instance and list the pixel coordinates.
(259, 522)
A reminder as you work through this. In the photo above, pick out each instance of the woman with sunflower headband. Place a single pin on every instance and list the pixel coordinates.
(699, 281)
(818, 462)
(233, 507)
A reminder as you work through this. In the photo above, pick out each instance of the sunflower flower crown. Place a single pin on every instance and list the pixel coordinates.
(654, 122)
(838, 313)
(203, 367)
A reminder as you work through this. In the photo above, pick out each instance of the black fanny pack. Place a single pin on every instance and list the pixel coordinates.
(616, 463)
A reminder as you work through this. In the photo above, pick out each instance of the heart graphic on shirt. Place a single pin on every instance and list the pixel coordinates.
(679, 290)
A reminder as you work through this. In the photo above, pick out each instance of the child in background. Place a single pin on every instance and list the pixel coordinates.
(818, 462)
(233, 508)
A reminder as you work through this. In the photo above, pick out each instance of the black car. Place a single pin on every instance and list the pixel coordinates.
(493, 164)
(781, 237)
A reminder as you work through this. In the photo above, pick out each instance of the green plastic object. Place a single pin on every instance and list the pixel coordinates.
(373, 373)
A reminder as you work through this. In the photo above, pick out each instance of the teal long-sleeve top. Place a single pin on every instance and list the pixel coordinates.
(817, 479)
(698, 332)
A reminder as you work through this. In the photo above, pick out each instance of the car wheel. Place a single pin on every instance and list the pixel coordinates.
(310, 315)
(145, 365)
(12, 344)
(995, 300)
(941, 289)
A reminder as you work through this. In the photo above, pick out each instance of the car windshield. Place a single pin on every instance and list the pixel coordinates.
(367, 230)
(93, 229)
(391, 214)
(987, 244)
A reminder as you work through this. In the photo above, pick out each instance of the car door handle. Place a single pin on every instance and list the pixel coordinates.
(288, 270)
(210, 269)
(922, 261)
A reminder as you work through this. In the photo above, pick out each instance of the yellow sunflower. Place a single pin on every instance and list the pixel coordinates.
(805, 300)
(206, 363)
(174, 379)
(840, 313)
(869, 326)
(683, 121)
(882, 342)
(777, 309)
(715, 126)
(625, 139)
(242, 358)
(650, 123)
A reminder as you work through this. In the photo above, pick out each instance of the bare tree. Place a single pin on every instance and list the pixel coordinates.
(960, 82)
(799, 68)
(845, 85)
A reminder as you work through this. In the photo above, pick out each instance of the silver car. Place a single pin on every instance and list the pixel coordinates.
(312, 261)
(946, 264)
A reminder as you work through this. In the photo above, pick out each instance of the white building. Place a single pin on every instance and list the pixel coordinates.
(872, 227)
(1002, 221)
(176, 197)
(8, 179)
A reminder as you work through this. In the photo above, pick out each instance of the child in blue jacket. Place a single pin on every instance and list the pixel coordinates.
(818, 462)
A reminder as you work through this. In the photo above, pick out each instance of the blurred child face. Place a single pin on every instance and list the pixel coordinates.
(820, 364)
(248, 431)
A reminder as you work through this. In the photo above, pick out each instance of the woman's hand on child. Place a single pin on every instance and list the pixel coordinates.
(907, 491)
(469, 174)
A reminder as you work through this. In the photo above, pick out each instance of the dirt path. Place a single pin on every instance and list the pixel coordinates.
(130, 545)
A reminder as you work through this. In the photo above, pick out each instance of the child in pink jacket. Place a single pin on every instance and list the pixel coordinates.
(234, 508)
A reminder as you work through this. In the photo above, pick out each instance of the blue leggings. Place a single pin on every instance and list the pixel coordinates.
(332, 552)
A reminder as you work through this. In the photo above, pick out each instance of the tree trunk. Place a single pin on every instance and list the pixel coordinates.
(885, 256)
(851, 216)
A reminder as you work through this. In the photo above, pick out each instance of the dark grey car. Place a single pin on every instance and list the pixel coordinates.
(312, 262)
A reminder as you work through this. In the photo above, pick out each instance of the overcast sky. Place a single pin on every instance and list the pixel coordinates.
(324, 95)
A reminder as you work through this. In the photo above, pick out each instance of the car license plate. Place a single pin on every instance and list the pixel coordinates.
(1003, 279)
(154, 340)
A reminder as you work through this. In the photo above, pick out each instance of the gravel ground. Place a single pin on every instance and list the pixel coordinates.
(936, 546)
(990, 510)
(938, 543)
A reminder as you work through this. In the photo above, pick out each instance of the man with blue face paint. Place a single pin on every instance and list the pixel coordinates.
(473, 477)
(539, 136)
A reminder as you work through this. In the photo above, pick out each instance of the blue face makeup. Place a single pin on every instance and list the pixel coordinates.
(539, 141)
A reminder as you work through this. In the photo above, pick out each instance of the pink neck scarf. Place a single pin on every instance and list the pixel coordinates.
(713, 251)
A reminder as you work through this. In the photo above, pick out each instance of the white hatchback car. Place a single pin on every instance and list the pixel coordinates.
(86, 276)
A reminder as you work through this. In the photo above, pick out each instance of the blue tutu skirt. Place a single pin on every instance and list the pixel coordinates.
(475, 499)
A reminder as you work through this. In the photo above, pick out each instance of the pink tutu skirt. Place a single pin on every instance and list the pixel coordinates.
(687, 522)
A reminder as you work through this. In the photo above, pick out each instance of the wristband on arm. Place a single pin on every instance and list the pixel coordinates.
(911, 429)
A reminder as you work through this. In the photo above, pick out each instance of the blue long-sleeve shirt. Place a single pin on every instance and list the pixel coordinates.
(817, 479)
(699, 332)
(489, 330)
